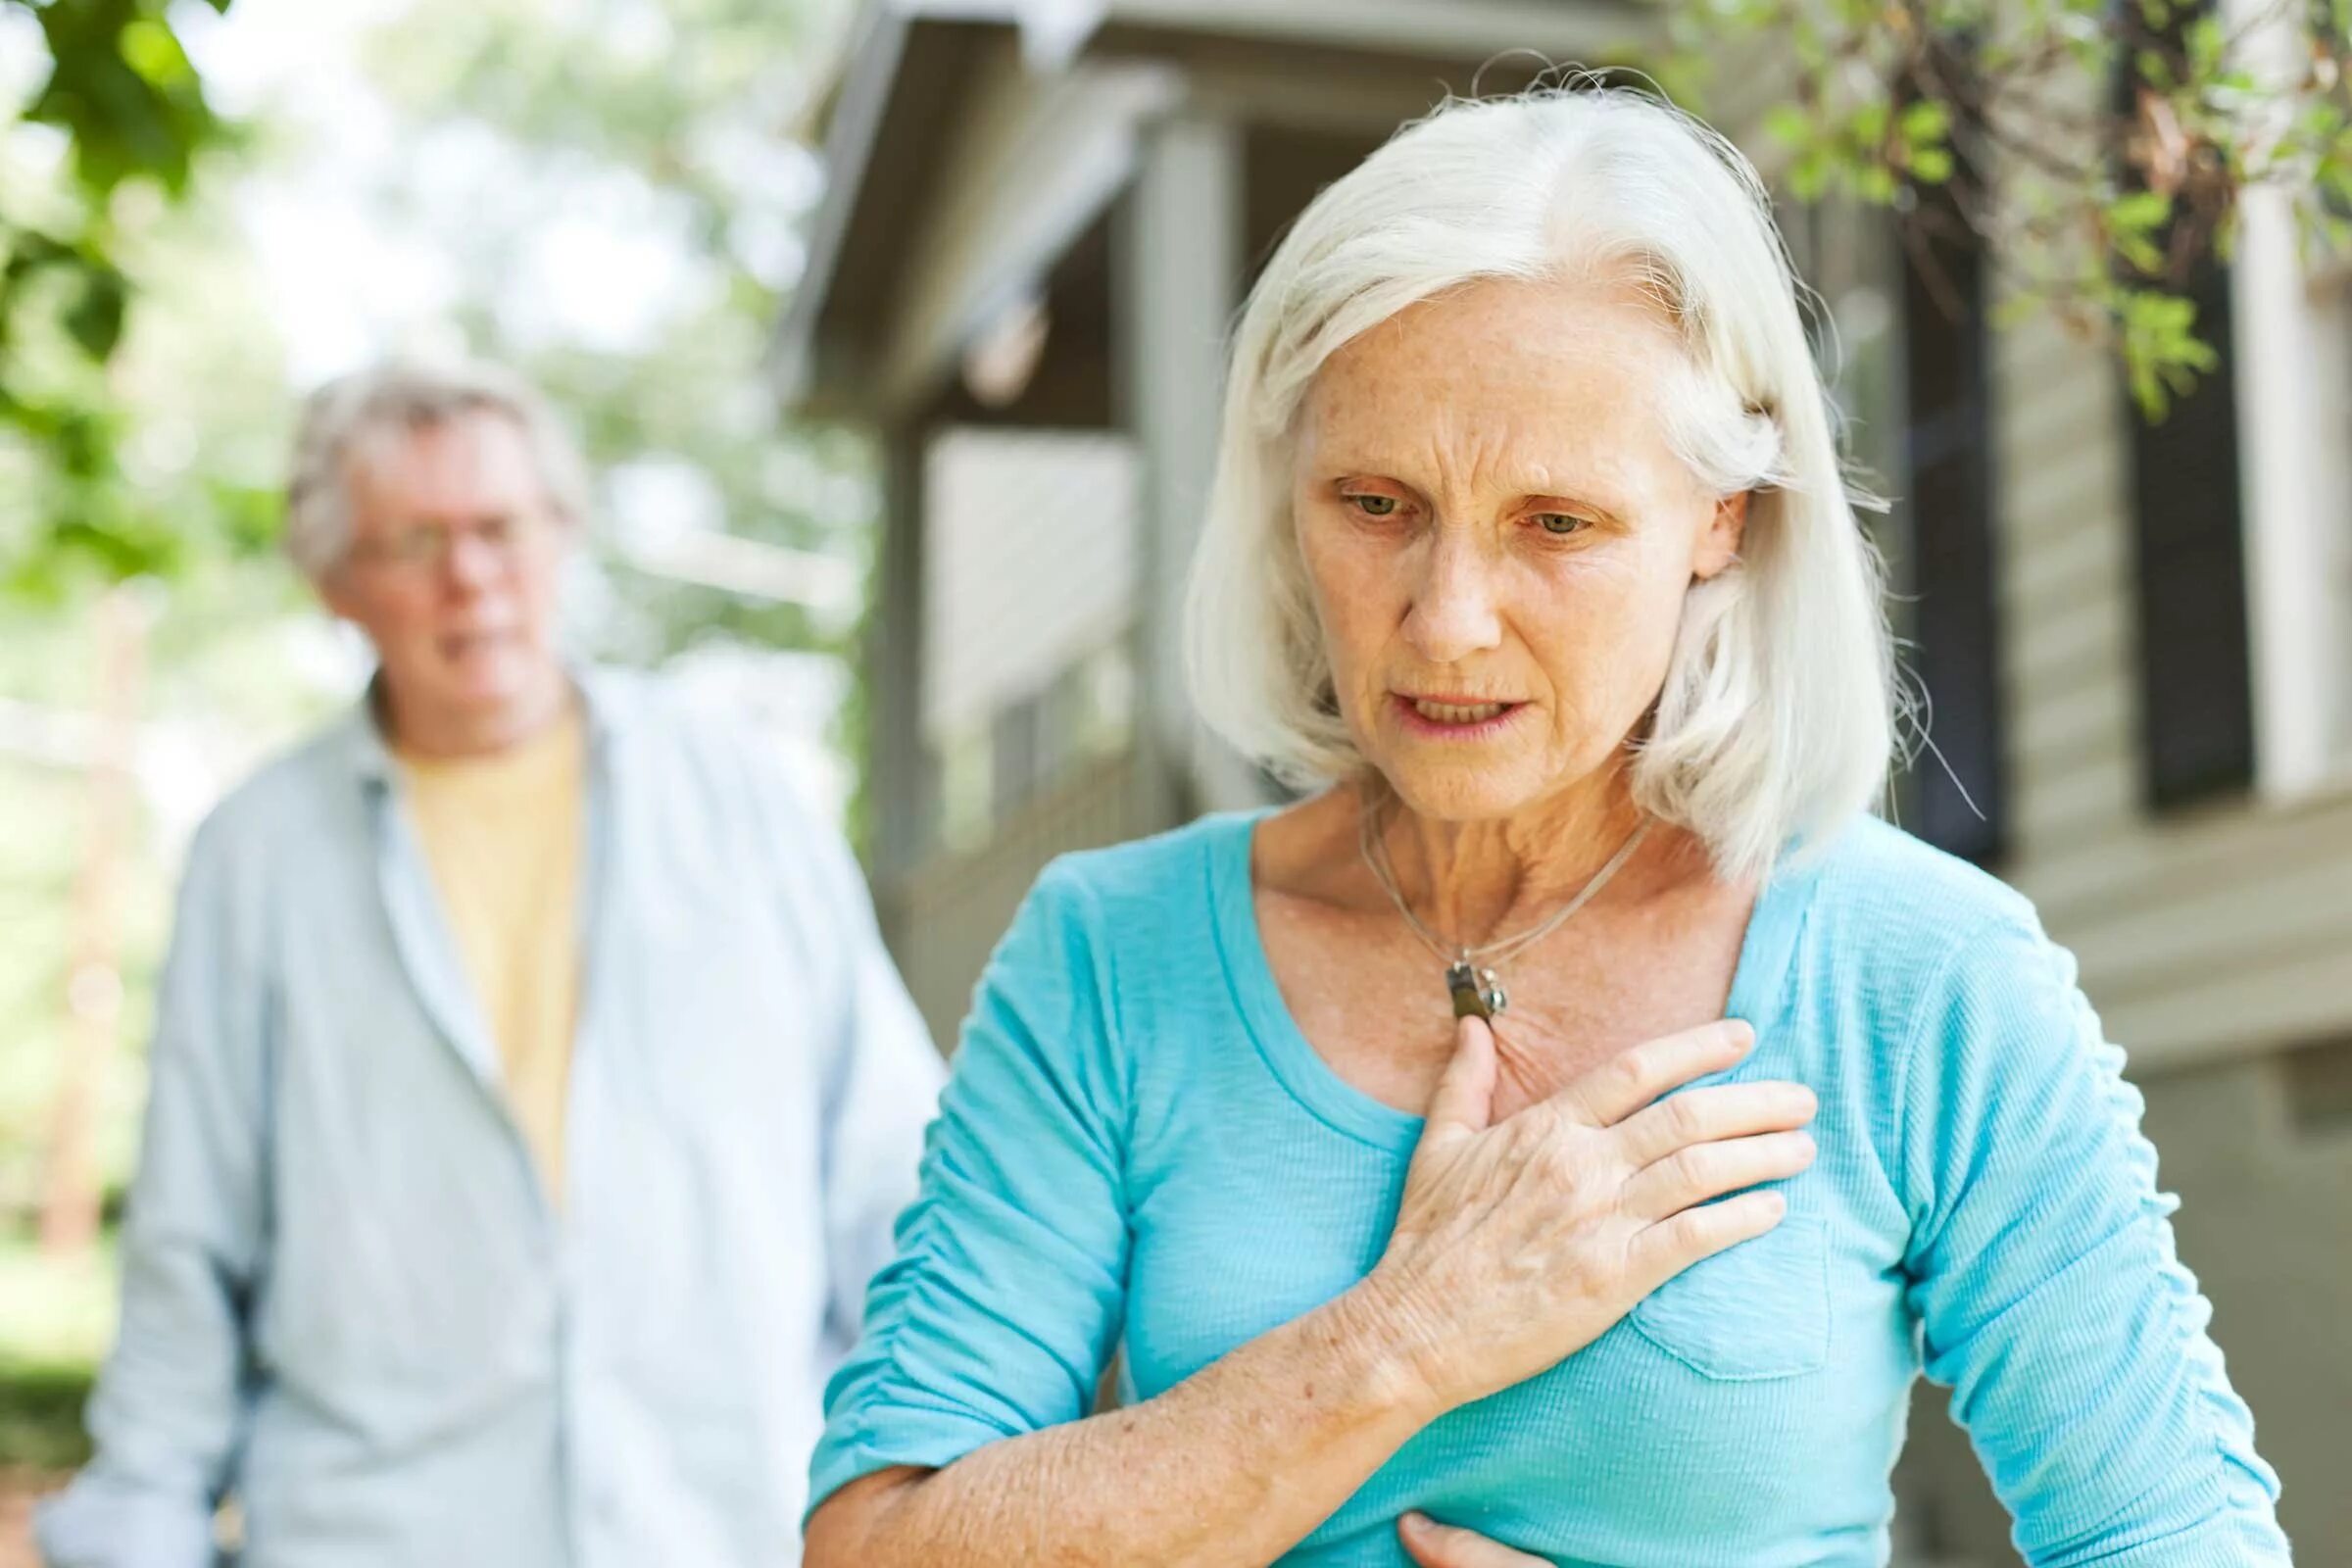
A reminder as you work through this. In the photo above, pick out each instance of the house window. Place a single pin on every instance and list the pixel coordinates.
(2188, 532)
(1911, 366)
(1959, 781)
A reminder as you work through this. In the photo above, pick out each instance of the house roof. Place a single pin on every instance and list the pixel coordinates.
(909, 88)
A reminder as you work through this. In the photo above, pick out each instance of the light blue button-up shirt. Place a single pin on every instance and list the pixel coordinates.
(346, 1297)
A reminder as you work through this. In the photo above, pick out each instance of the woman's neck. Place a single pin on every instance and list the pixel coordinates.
(1478, 881)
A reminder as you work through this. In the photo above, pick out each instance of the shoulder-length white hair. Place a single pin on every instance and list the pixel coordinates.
(1775, 720)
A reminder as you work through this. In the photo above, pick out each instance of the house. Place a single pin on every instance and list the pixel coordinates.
(1040, 220)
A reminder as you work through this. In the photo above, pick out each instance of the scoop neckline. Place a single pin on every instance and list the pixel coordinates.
(1764, 951)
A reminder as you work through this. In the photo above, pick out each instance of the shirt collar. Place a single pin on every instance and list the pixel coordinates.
(369, 755)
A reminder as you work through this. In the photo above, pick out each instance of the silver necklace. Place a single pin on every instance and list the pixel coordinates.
(1470, 975)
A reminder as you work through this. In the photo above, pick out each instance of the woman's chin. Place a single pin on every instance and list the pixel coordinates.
(1460, 789)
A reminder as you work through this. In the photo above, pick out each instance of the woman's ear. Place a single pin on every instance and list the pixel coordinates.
(1719, 546)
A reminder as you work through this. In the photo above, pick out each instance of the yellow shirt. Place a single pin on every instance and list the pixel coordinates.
(503, 836)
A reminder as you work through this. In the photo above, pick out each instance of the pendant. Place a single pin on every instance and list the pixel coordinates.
(1475, 991)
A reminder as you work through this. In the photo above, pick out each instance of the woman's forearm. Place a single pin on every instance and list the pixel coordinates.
(1232, 1466)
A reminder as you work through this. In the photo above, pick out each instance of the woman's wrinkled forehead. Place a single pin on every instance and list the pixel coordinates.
(1504, 367)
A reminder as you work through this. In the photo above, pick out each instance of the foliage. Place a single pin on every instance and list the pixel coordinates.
(116, 134)
(56, 1318)
(677, 118)
(2100, 149)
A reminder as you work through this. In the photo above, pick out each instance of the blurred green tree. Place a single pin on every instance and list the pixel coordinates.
(673, 124)
(112, 136)
(2100, 148)
(139, 423)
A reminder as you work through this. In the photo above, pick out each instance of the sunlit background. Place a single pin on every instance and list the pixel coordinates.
(611, 196)
(893, 330)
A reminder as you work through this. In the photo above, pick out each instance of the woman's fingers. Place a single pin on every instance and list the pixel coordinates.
(1607, 1094)
(1698, 1172)
(1436, 1545)
(1658, 1253)
(1713, 1112)
(1510, 1248)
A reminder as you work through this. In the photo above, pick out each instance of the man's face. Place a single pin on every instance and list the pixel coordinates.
(451, 570)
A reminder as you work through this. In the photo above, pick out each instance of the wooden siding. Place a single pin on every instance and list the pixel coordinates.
(2220, 931)
(945, 918)
(1031, 565)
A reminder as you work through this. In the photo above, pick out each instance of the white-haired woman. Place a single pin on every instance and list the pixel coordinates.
(1528, 542)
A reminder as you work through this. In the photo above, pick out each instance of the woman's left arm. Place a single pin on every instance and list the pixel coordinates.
(2043, 1274)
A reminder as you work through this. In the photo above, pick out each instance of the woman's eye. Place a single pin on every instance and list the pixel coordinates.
(1374, 506)
(1562, 522)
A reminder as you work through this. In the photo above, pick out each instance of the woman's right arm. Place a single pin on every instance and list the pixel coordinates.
(1233, 1465)
(954, 1439)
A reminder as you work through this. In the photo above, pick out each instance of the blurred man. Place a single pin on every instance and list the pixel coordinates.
(531, 1094)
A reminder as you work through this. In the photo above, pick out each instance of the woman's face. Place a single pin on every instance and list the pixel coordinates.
(1498, 538)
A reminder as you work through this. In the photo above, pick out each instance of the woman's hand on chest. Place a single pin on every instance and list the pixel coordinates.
(1520, 1241)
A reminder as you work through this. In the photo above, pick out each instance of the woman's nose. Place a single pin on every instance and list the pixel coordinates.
(1453, 613)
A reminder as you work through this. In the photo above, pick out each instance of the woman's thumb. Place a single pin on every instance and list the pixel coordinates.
(1465, 1094)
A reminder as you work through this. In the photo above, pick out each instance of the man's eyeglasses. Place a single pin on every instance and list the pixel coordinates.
(425, 547)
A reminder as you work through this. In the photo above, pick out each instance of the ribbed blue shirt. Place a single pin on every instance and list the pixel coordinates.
(1138, 1147)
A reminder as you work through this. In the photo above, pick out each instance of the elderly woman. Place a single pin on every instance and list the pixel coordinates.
(1566, 1135)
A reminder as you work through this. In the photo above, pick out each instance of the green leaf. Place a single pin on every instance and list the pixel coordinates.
(149, 48)
(95, 320)
(2140, 252)
(1788, 124)
(1809, 177)
(1926, 120)
(2140, 211)
(2203, 39)
(2162, 354)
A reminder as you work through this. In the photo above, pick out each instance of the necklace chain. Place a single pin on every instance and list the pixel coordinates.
(1503, 948)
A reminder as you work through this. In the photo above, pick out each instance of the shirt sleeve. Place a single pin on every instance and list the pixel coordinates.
(999, 1311)
(2043, 1275)
(882, 1076)
(171, 1404)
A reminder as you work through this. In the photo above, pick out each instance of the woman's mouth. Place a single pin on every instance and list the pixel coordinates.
(1453, 716)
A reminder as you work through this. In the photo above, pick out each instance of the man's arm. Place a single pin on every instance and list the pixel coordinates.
(881, 1080)
(169, 1408)
(884, 1098)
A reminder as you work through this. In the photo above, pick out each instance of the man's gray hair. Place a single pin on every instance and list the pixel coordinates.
(403, 394)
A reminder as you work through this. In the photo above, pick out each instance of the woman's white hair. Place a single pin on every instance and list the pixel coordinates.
(1775, 720)
(403, 395)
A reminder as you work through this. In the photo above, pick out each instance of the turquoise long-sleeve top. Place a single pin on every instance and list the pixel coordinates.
(1139, 1148)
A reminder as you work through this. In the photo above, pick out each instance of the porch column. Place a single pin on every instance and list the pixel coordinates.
(898, 764)
(1176, 282)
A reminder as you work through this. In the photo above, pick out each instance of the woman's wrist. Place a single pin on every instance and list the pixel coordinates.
(1388, 1351)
